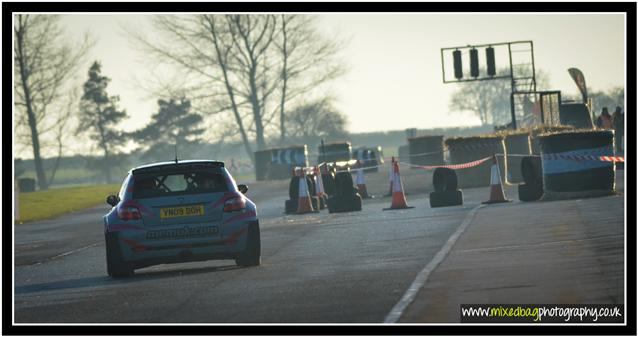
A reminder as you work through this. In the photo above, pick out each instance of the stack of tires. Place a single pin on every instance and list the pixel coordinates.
(517, 143)
(293, 191)
(467, 149)
(565, 178)
(446, 192)
(346, 197)
(532, 171)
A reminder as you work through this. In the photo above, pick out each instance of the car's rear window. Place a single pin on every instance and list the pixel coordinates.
(178, 183)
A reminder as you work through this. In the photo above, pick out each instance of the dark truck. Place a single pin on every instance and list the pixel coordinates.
(333, 152)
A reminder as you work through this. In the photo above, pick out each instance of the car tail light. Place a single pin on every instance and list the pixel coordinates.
(235, 203)
(128, 213)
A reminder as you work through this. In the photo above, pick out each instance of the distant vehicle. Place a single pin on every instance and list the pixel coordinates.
(370, 157)
(333, 152)
(184, 211)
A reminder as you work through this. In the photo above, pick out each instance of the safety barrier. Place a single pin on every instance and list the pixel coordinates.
(577, 164)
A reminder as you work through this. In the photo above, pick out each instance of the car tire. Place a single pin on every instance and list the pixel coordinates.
(312, 189)
(340, 204)
(291, 206)
(530, 192)
(329, 183)
(251, 256)
(532, 170)
(293, 189)
(446, 198)
(356, 202)
(444, 179)
(116, 267)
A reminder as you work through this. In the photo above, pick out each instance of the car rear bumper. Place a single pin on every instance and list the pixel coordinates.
(139, 250)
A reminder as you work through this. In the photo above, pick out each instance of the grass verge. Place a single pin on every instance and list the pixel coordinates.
(48, 204)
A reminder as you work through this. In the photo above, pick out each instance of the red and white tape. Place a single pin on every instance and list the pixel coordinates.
(556, 156)
(452, 166)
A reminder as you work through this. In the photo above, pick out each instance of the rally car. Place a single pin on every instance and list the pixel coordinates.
(184, 211)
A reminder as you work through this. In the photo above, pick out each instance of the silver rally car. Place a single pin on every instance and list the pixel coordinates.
(180, 211)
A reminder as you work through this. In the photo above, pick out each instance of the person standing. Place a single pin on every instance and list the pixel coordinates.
(604, 120)
(618, 121)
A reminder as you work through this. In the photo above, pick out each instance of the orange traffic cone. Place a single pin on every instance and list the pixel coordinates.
(398, 196)
(391, 177)
(361, 182)
(496, 190)
(304, 203)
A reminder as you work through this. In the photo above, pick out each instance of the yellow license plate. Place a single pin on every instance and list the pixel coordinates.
(174, 212)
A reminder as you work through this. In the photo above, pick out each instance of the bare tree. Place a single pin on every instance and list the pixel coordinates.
(490, 100)
(315, 120)
(223, 55)
(44, 63)
(237, 64)
(61, 129)
(307, 60)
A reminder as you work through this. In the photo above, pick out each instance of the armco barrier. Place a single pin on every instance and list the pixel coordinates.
(573, 165)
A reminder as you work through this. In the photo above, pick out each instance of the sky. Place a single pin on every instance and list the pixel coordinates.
(395, 73)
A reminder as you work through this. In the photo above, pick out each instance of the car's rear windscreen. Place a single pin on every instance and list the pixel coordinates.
(176, 182)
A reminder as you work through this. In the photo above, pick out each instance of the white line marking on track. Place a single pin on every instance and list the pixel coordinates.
(422, 277)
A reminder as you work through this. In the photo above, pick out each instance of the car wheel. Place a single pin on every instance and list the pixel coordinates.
(252, 255)
(116, 267)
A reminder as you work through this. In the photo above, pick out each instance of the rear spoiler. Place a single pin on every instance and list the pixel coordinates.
(178, 166)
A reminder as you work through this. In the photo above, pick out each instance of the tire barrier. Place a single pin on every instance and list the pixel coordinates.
(464, 150)
(347, 198)
(444, 179)
(291, 206)
(432, 146)
(529, 192)
(446, 198)
(272, 164)
(574, 164)
(537, 130)
(445, 189)
(532, 170)
(518, 143)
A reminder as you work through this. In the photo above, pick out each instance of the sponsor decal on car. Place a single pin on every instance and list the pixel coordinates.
(181, 233)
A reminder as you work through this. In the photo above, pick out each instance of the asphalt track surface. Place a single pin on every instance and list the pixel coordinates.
(316, 268)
